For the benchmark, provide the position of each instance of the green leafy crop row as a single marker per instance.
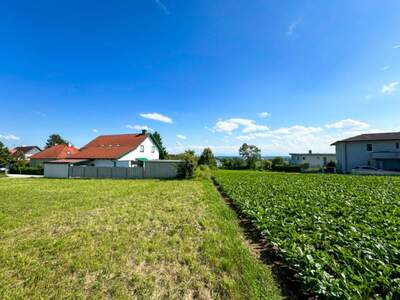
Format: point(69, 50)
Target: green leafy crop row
point(341, 233)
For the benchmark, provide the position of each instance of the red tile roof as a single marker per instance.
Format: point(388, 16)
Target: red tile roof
point(386, 136)
point(56, 152)
point(65, 161)
point(110, 146)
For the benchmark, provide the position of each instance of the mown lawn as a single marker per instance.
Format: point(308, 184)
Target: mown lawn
point(142, 239)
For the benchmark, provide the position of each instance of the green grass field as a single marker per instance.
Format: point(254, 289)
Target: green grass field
point(142, 239)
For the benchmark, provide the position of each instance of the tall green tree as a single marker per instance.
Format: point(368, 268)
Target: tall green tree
point(251, 154)
point(157, 137)
point(207, 158)
point(5, 155)
point(55, 139)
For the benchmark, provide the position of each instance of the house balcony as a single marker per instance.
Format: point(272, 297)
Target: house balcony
point(386, 155)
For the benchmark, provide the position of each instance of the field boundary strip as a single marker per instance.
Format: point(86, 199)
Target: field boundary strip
point(285, 276)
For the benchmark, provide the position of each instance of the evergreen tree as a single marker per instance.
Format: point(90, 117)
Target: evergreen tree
point(55, 139)
point(157, 137)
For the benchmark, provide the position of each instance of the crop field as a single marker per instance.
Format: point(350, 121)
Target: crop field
point(341, 233)
point(123, 239)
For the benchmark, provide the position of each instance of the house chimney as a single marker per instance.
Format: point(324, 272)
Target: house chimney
point(309, 151)
point(144, 131)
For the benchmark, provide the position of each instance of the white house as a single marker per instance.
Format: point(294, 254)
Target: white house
point(314, 160)
point(379, 150)
point(26, 151)
point(120, 150)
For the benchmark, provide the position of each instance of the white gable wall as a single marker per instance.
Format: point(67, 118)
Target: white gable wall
point(147, 143)
point(31, 152)
point(125, 160)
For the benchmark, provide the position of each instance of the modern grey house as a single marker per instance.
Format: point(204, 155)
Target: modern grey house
point(378, 150)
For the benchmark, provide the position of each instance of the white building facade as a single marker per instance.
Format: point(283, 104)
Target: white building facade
point(313, 160)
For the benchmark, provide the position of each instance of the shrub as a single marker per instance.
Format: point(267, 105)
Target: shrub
point(267, 165)
point(187, 168)
point(27, 170)
point(234, 163)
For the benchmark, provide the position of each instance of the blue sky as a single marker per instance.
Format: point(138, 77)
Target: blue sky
point(286, 76)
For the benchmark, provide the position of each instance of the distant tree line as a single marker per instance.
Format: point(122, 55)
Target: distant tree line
point(250, 159)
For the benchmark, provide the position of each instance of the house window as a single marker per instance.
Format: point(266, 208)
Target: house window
point(304, 158)
point(369, 163)
point(153, 149)
point(397, 145)
point(369, 147)
point(141, 148)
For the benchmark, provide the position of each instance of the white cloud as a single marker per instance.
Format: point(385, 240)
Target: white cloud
point(390, 88)
point(139, 127)
point(162, 6)
point(298, 130)
point(396, 46)
point(157, 117)
point(95, 130)
point(41, 114)
point(234, 123)
point(225, 126)
point(217, 149)
point(246, 137)
point(292, 28)
point(264, 115)
point(348, 124)
point(385, 68)
point(9, 137)
point(181, 136)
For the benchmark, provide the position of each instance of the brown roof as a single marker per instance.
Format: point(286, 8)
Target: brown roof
point(110, 146)
point(386, 136)
point(23, 149)
point(56, 152)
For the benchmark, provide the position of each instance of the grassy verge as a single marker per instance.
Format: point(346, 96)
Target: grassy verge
point(123, 239)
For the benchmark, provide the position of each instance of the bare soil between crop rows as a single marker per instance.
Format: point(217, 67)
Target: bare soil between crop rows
point(286, 277)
